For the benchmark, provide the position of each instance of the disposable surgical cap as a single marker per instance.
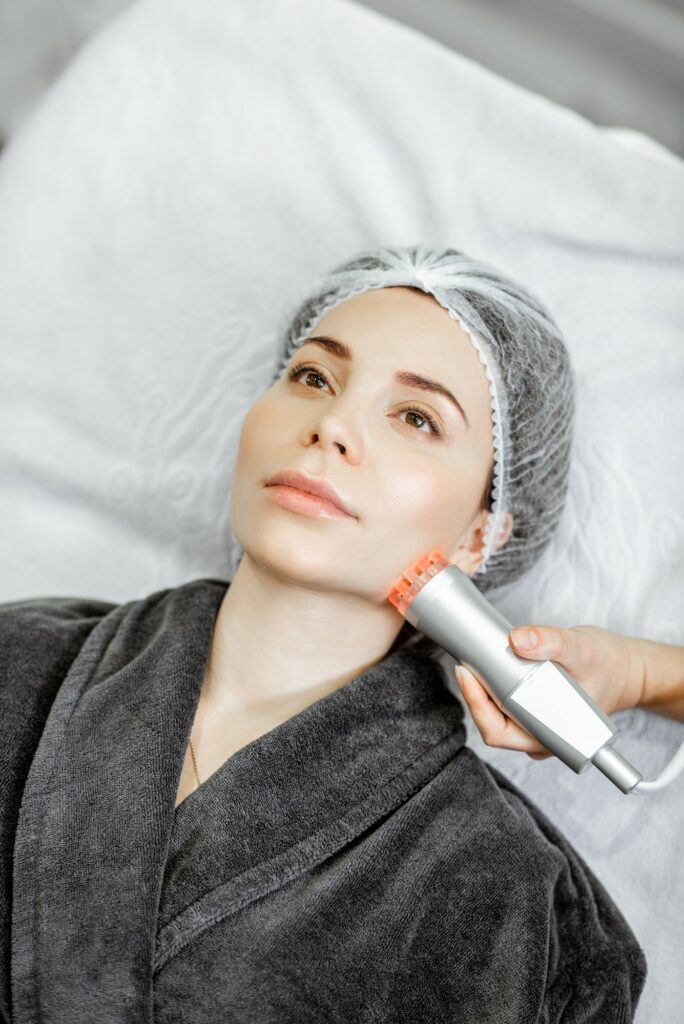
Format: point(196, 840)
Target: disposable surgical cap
point(531, 384)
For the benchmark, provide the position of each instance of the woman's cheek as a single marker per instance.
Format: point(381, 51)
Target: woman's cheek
point(418, 498)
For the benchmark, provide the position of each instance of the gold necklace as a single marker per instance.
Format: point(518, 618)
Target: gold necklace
point(194, 762)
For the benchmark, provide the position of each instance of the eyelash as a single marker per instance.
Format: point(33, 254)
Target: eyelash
point(295, 371)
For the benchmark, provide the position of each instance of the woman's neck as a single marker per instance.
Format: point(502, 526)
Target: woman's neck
point(279, 646)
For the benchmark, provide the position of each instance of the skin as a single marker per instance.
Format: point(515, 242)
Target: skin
point(307, 610)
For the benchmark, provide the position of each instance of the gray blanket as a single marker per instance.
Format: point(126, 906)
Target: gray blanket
point(356, 863)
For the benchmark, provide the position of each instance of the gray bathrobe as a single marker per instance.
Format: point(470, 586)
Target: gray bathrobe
point(357, 863)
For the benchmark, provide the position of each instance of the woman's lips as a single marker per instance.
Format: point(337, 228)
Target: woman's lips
point(305, 503)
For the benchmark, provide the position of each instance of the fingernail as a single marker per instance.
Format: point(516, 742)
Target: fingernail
point(525, 639)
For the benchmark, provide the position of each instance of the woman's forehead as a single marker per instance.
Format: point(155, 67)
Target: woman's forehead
point(396, 320)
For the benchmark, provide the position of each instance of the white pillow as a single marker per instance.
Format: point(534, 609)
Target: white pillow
point(165, 209)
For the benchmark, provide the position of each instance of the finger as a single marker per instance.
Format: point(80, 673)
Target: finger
point(496, 728)
point(568, 647)
point(526, 641)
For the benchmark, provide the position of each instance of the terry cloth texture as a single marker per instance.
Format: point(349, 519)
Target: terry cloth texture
point(357, 862)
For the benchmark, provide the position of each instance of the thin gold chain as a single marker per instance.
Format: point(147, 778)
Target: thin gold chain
point(194, 762)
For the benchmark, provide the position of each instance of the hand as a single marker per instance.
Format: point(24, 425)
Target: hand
point(610, 667)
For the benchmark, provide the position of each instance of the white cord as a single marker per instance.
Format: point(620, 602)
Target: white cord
point(669, 772)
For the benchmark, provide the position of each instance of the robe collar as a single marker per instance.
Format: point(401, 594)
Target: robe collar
point(98, 905)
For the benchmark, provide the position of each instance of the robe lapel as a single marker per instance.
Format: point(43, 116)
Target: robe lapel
point(303, 792)
point(98, 808)
point(103, 897)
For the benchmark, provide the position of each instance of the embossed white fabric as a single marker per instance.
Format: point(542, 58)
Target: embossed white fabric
point(168, 206)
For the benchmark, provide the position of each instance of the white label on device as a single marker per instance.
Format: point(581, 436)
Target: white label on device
point(548, 695)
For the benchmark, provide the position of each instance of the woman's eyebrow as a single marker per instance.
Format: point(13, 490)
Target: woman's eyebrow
point(407, 377)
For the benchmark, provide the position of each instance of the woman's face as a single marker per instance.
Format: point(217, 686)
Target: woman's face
point(412, 487)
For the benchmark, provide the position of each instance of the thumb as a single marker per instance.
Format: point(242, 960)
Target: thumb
point(549, 642)
point(526, 640)
point(541, 641)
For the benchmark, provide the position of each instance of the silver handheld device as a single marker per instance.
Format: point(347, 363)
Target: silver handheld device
point(441, 601)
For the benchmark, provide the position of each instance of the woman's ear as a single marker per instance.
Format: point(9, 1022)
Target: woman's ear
point(505, 530)
point(469, 554)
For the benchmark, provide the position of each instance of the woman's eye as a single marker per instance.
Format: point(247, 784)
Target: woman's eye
point(434, 429)
point(296, 371)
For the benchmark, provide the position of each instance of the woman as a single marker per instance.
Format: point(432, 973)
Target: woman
point(253, 801)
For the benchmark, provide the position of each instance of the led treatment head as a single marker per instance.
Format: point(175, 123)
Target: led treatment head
point(414, 579)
